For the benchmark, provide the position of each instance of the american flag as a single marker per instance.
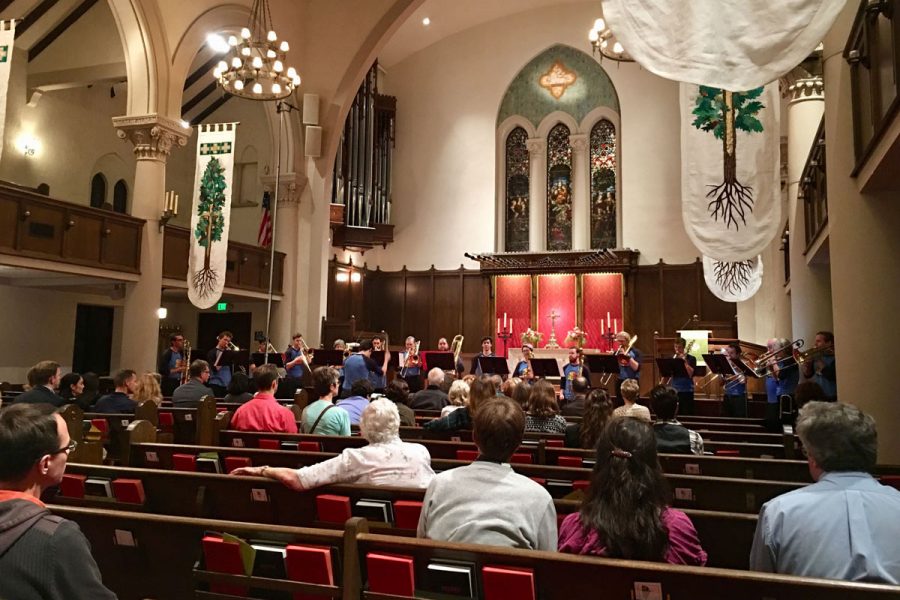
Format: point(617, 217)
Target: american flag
point(265, 223)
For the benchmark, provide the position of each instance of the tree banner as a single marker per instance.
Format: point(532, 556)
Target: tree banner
point(211, 213)
point(733, 281)
point(730, 170)
point(7, 37)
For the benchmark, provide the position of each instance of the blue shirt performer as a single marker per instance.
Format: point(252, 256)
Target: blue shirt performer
point(411, 365)
point(221, 371)
point(735, 400)
point(573, 369)
point(360, 365)
point(684, 385)
point(523, 367)
point(171, 365)
point(294, 357)
point(820, 367)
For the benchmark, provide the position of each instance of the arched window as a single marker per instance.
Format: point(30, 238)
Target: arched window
point(43, 189)
point(517, 186)
point(98, 190)
point(120, 197)
point(559, 189)
point(603, 185)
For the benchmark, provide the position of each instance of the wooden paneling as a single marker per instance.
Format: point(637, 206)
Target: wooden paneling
point(647, 304)
point(81, 238)
point(476, 311)
point(232, 265)
point(9, 214)
point(418, 313)
point(41, 229)
point(680, 296)
point(121, 247)
point(445, 315)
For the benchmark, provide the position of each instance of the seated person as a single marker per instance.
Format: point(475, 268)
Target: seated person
point(630, 390)
point(481, 391)
point(239, 389)
point(458, 396)
point(521, 393)
point(44, 379)
point(487, 502)
point(844, 526)
point(397, 392)
point(626, 512)
point(262, 412)
point(41, 556)
point(322, 417)
point(71, 385)
point(91, 391)
point(671, 436)
point(387, 460)
point(574, 406)
point(191, 393)
point(432, 397)
point(120, 400)
point(598, 410)
point(357, 401)
point(147, 387)
point(543, 410)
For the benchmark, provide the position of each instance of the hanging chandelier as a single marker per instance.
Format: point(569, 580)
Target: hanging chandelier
point(254, 66)
point(604, 41)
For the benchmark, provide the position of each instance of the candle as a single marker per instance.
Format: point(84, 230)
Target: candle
point(607, 319)
point(174, 204)
point(498, 324)
point(510, 325)
point(504, 320)
point(601, 326)
point(616, 325)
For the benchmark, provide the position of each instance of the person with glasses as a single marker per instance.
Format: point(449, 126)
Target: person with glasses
point(171, 365)
point(41, 556)
point(190, 394)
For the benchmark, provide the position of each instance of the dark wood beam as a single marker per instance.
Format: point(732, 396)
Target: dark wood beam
point(32, 17)
point(198, 98)
point(211, 109)
point(4, 4)
point(204, 69)
point(44, 43)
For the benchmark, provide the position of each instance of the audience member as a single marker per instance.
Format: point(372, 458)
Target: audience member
point(498, 383)
point(844, 526)
point(71, 386)
point(41, 556)
point(91, 392)
point(543, 410)
point(148, 387)
point(119, 402)
point(432, 397)
point(238, 389)
point(191, 393)
point(322, 417)
point(574, 407)
point(481, 391)
point(521, 393)
point(397, 391)
point(671, 436)
point(507, 388)
point(262, 412)
point(630, 391)
point(387, 460)
point(487, 502)
point(808, 391)
point(357, 401)
point(598, 409)
point(458, 396)
point(626, 512)
point(44, 379)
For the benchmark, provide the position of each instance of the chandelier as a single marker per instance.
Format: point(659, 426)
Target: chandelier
point(604, 41)
point(254, 64)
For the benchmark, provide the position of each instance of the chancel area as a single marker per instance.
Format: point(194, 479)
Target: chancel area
point(449, 299)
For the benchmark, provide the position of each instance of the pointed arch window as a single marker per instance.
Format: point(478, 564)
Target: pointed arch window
point(120, 196)
point(603, 185)
point(517, 191)
point(98, 190)
point(559, 189)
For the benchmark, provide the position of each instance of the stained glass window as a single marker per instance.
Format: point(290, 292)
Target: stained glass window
point(517, 187)
point(603, 185)
point(559, 189)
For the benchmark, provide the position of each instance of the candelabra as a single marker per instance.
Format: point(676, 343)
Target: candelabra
point(504, 334)
point(609, 337)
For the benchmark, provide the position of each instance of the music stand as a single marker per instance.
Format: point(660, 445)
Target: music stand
point(604, 364)
point(275, 358)
point(438, 360)
point(327, 358)
point(545, 367)
point(671, 367)
point(393, 363)
point(493, 365)
point(235, 359)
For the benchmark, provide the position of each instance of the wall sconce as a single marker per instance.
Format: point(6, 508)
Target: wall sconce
point(162, 312)
point(355, 277)
point(28, 145)
point(170, 209)
point(342, 277)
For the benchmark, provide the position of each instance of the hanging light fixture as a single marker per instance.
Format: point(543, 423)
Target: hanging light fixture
point(604, 41)
point(254, 66)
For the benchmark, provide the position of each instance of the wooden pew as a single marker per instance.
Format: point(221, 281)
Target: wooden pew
point(88, 450)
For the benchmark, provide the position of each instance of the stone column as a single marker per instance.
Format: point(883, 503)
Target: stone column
point(287, 240)
point(581, 191)
point(810, 280)
point(153, 137)
point(537, 192)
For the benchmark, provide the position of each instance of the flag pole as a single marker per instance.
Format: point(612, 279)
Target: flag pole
point(280, 108)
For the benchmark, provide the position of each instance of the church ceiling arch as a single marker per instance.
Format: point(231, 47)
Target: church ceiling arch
point(559, 79)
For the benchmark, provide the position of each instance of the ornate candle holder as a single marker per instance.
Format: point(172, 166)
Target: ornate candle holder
point(552, 343)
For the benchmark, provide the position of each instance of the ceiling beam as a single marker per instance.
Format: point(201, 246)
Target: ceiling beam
point(32, 17)
point(43, 43)
point(4, 4)
point(211, 109)
point(198, 98)
point(204, 69)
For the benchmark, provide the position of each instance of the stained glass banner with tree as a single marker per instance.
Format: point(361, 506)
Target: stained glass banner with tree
point(559, 189)
point(603, 185)
point(211, 213)
point(517, 191)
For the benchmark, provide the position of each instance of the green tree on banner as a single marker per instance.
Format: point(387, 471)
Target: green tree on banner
point(211, 222)
point(723, 112)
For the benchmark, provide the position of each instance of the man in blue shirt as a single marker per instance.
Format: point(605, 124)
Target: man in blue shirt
point(119, 401)
point(359, 365)
point(684, 385)
point(572, 371)
point(410, 366)
point(629, 362)
point(357, 401)
point(844, 526)
point(295, 363)
point(220, 370)
point(171, 365)
point(735, 398)
point(821, 368)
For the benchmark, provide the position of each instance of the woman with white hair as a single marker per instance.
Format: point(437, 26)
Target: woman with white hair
point(458, 396)
point(387, 460)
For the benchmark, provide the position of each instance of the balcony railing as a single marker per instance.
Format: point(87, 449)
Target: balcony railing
point(813, 190)
point(873, 52)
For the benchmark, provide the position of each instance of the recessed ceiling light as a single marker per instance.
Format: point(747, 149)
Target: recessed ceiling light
point(426, 21)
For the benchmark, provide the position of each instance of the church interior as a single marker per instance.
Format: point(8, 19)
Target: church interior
point(517, 170)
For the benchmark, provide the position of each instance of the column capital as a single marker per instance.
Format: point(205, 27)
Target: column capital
point(579, 141)
point(536, 146)
point(292, 185)
point(153, 135)
point(811, 88)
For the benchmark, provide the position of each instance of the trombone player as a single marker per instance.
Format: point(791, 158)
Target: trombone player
point(684, 385)
point(410, 362)
point(444, 346)
point(220, 371)
point(735, 398)
point(629, 360)
point(574, 369)
point(818, 364)
point(523, 367)
point(296, 357)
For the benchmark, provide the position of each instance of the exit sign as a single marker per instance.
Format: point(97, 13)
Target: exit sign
point(222, 306)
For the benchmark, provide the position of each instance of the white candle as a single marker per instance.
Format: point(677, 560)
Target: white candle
point(607, 319)
point(616, 325)
point(174, 204)
point(504, 320)
point(498, 324)
point(510, 325)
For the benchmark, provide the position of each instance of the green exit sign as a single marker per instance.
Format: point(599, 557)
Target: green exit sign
point(222, 306)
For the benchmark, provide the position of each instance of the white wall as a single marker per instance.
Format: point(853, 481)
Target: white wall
point(448, 96)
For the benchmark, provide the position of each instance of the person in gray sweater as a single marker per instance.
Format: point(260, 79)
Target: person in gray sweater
point(191, 393)
point(487, 502)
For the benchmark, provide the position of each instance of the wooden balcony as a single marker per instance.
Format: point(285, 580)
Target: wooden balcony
point(36, 226)
point(814, 189)
point(247, 267)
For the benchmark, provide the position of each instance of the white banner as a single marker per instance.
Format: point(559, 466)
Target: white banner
point(730, 170)
point(733, 281)
point(730, 44)
point(211, 213)
point(7, 38)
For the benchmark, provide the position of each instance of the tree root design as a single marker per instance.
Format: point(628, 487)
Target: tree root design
point(205, 282)
point(731, 200)
point(732, 277)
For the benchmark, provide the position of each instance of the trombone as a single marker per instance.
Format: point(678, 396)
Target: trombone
point(412, 358)
point(456, 349)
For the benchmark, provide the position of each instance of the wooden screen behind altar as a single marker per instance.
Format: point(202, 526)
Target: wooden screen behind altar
point(513, 299)
point(556, 293)
point(601, 295)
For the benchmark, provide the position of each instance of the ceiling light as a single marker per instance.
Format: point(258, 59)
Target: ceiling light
point(162, 312)
point(217, 43)
point(426, 21)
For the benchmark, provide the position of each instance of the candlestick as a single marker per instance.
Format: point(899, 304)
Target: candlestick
point(175, 204)
point(504, 320)
point(498, 325)
point(510, 326)
point(607, 319)
point(616, 325)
